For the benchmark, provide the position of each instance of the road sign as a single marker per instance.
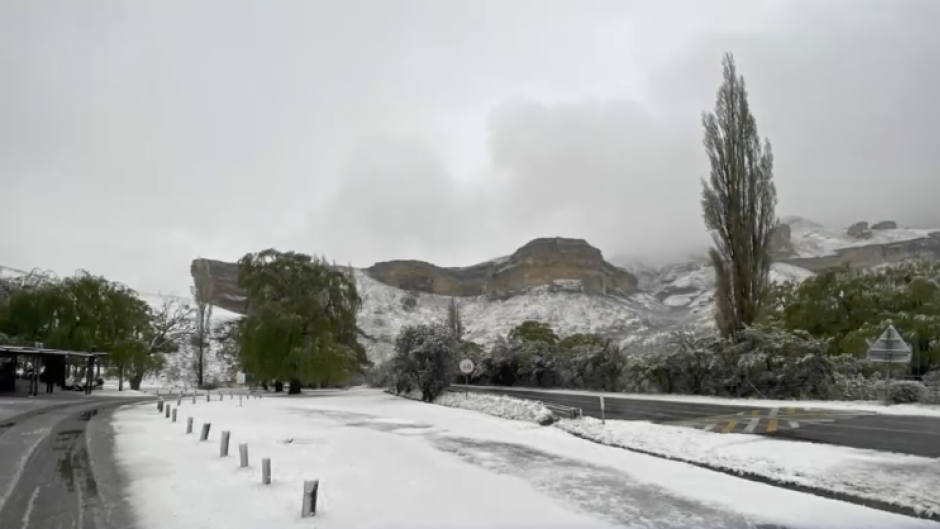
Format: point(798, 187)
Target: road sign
point(890, 348)
point(466, 366)
point(240, 378)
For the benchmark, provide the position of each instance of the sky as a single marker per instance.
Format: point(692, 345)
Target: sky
point(136, 136)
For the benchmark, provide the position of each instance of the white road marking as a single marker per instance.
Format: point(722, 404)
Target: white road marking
point(752, 425)
point(794, 424)
point(29, 507)
point(709, 427)
point(773, 412)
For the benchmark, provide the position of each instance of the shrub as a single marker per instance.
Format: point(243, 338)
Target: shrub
point(424, 360)
point(906, 392)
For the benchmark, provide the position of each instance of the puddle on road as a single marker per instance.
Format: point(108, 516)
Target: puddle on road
point(73, 461)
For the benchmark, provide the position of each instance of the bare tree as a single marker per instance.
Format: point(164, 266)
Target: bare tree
point(171, 326)
point(738, 201)
point(202, 292)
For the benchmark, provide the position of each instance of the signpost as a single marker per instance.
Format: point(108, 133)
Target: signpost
point(603, 419)
point(466, 367)
point(889, 348)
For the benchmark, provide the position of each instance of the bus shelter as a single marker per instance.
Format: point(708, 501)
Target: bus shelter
point(50, 367)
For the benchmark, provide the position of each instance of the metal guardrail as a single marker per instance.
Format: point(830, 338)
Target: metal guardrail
point(566, 412)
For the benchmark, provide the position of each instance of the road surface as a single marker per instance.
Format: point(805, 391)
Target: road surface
point(914, 435)
point(57, 471)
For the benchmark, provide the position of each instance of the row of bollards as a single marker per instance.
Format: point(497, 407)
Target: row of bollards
point(311, 488)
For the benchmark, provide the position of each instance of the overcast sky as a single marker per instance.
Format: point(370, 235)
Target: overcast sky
point(137, 135)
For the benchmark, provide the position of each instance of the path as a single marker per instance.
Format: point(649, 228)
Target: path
point(57, 469)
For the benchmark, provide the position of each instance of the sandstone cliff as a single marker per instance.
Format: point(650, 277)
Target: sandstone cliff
point(569, 263)
point(540, 262)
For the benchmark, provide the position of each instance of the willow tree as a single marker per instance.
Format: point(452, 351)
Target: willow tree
point(300, 322)
point(85, 312)
point(739, 200)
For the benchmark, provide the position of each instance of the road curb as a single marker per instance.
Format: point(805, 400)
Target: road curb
point(750, 476)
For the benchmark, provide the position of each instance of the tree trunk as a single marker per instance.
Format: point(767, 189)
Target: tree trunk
point(136, 380)
point(200, 365)
point(121, 379)
point(278, 386)
point(294, 388)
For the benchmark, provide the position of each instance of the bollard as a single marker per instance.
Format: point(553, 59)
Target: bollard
point(168, 411)
point(239, 401)
point(220, 396)
point(223, 446)
point(231, 395)
point(207, 397)
point(189, 425)
point(160, 405)
point(243, 455)
point(194, 397)
point(310, 498)
point(266, 471)
point(174, 414)
point(205, 431)
point(179, 400)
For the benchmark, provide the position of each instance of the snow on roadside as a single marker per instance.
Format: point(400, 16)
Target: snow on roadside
point(498, 405)
point(907, 481)
point(898, 479)
point(925, 410)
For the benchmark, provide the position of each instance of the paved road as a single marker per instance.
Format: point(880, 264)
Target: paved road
point(913, 435)
point(57, 469)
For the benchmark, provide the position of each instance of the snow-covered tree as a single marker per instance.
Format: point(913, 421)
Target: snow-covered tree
point(424, 359)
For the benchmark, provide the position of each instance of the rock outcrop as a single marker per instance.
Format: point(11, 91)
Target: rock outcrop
point(885, 225)
point(859, 230)
point(541, 262)
point(223, 283)
point(570, 264)
point(781, 243)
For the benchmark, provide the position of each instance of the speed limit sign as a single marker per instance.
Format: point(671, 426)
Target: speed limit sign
point(466, 366)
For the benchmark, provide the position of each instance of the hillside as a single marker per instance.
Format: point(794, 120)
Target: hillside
point(569, 285)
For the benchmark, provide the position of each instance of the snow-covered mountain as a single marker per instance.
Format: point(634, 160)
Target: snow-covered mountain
point(678, 295)
point(666, 298)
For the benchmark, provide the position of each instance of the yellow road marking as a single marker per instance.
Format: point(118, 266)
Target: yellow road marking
point(755, 412)
point(791, 410)
point(772, 426)
point(730, 426)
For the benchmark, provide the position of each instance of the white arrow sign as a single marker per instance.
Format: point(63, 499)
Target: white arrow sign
point(890, 348)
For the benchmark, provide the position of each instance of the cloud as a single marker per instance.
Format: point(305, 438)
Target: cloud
point(136, 136)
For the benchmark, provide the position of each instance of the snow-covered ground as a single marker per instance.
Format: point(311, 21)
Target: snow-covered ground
point(907, 481)
point(387, 462)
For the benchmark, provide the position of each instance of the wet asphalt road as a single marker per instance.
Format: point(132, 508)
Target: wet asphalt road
point(69, 479)
point(912, 435)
